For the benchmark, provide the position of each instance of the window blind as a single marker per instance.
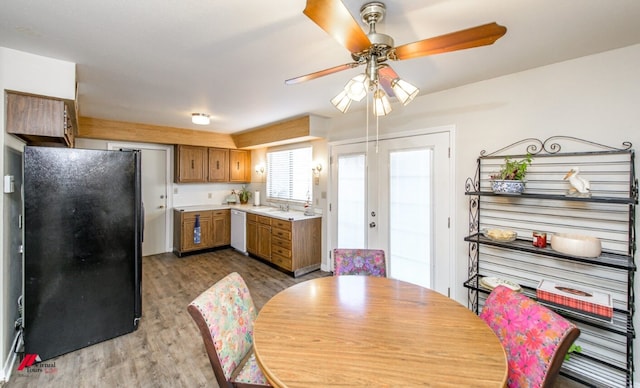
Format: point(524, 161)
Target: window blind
point(289, 174)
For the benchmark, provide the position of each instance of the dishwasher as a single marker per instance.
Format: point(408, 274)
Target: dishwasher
point(239, 231)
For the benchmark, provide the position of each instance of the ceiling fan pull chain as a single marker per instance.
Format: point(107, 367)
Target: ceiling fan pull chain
point(366, 146)
point(377, 131)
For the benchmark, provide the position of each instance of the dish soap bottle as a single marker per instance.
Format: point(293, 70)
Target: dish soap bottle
point(308, 210)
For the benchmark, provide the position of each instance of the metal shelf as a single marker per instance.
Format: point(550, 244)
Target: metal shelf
point(621, 323)
point(606, 259)
point(607, 357)
point(610, 200)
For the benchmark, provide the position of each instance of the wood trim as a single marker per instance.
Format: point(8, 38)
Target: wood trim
point(93, 128)
point(294, 129)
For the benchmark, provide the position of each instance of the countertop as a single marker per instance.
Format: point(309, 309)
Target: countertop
point(270, 211)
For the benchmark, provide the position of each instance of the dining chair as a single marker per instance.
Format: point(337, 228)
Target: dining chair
point(535, 338)
point(225, 314)
point(370, 262)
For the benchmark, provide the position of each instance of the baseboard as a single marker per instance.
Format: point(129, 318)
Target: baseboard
point(11, 359)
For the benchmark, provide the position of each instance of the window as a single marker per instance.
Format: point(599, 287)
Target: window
point(289, 174)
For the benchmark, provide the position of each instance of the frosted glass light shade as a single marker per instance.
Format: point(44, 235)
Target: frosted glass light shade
point(357, 87)
point(381, 104)
point(404, 91)
point(342, 102)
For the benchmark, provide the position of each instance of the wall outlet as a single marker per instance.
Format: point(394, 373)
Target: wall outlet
point(210, 195)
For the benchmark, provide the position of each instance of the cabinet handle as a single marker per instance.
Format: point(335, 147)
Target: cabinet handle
point(238, 165)
point(217, 164)
point(193, 164)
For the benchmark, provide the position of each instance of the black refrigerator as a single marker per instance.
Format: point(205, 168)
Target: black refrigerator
point(83, 221)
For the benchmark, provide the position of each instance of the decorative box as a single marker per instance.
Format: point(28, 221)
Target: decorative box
point(595, 304)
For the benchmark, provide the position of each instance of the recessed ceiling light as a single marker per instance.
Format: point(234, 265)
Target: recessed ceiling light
point(200, 118)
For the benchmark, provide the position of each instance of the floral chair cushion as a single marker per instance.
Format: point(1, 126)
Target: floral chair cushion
point(529, 332)
point(369, 262)
point(251, 373)
point(229, 313)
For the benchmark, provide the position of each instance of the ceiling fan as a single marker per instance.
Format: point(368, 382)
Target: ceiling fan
point(374, 49)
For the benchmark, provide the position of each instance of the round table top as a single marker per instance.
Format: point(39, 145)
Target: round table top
point(369, 331)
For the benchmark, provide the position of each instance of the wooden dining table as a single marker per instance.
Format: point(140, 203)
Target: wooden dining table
point(376, 332)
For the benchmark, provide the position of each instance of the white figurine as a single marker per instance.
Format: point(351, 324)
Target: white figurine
point(580, 187)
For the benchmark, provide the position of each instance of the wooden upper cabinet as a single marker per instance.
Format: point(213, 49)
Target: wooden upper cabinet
point(191, 164)
point(240, 166)
point(195, 164)
point(40, 120)
point(218, 165)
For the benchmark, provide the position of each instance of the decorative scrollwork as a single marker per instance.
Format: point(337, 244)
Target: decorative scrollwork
point(533, 147)
point(471, 185)
point(551, 145)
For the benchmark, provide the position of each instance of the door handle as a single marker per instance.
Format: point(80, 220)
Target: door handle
point(160, 207)
point(372, 224)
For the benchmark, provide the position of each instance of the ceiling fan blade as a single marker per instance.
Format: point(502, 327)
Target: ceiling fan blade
point(482, 35)
point(385, 75)
point(321, 73)
point(333, 17)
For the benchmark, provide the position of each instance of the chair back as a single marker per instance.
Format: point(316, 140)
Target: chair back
point(370, 262)
point(535, 338)
point(225, 314)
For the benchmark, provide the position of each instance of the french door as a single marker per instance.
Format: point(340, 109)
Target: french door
point(396, 198)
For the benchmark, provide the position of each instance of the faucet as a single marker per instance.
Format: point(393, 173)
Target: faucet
point(284, 207)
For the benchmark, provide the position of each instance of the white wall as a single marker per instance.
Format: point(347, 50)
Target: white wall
point(596, 98)
point(34, 74)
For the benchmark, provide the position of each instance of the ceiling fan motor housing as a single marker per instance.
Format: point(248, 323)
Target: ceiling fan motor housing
point(381, 44)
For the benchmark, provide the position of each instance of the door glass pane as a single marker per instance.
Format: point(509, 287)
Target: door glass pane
point(410, 216)
point(351, 201)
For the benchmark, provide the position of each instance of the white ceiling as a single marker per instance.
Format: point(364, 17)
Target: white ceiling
point(157, 61)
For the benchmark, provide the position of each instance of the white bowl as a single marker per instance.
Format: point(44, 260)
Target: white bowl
point(576, 245)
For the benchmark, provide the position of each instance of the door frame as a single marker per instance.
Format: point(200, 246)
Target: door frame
point(451, 130)
point(168, 168)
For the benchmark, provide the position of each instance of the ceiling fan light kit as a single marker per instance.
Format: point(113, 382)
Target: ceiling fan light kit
point(342, 102)
point(357, 87)
point(374, 49)
point(381, 104)
point(404, 91)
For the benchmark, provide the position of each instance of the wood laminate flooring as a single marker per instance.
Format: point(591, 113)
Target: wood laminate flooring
point(166, 350)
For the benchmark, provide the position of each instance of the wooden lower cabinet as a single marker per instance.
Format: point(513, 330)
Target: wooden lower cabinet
point(215, 230)
point(291, 245)
point(259, 236)
point(252, 233)
point(221, 233)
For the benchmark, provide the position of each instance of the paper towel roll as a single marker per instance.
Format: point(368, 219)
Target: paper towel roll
point(256, 198)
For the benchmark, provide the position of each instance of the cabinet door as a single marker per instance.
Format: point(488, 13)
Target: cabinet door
point(206, 230)
point(218, 165)
point(38, 120)
point(239, 166)
point(264, 241)
point(221, 228)
point(252, 237)
point(191, 164)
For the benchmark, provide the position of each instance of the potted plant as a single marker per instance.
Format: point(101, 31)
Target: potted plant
point(510, 179)
point(244, 195)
